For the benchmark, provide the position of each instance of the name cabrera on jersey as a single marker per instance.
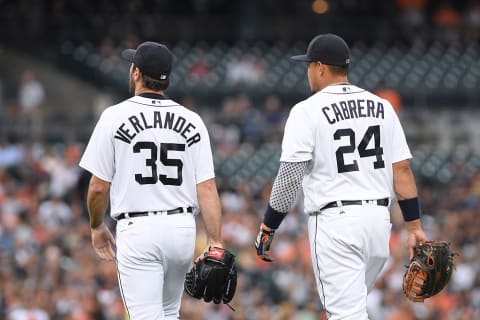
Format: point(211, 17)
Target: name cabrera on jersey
point(352, 137)
point(153, 151)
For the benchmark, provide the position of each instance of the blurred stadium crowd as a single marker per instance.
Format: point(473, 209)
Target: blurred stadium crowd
point(422, 56)
point(49, 271)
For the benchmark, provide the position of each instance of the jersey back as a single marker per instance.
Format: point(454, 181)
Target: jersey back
point(352, 137)
point(153, 152)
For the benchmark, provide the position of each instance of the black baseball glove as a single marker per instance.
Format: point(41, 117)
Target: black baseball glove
point(214, 277)
point(429, 270)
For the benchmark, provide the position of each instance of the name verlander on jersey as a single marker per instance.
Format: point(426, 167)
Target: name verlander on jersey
point(170, 121)
point(351, 109)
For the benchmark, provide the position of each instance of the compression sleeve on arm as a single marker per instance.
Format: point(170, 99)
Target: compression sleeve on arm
point(284, 191)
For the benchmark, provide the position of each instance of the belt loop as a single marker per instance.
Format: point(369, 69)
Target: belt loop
point(339, 203)
point(127, 215)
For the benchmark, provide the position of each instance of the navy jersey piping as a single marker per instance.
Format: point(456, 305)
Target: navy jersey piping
point(152, 105)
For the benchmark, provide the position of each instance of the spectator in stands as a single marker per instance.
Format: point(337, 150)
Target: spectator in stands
point(31, 96)
point(54, 213)
point(10, 152)
point(109, 61)
point(248, 70)
point(447, 21)
point(472, 22)
point(200, 69)
point(107, 48)
point(273, 117)
point(413, 16)
point(62, 169)
point(250, 119)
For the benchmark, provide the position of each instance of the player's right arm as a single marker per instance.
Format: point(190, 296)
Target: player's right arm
point(406, 192)
point(98, 160)
point(97, 203)
point(282, 198)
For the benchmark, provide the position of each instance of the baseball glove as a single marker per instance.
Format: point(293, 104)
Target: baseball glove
point(214, 277)
point(429, 270)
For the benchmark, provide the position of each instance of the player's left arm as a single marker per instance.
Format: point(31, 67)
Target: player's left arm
point(207, 193)
point(97, 203)
point(405, 187)
point(406, 192)
point(211, 212)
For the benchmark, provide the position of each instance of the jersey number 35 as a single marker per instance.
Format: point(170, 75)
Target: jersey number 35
point(164, 159)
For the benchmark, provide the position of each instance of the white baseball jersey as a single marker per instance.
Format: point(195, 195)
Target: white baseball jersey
point(153, 152)
point(352, 137)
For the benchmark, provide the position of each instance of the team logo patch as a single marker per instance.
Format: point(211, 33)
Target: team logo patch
point(216, 253)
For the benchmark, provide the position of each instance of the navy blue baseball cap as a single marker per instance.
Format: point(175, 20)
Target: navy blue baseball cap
point(152, 58)
point(328, 49)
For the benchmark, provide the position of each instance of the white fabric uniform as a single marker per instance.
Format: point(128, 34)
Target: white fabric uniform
point(154, 152)
point(351, 137)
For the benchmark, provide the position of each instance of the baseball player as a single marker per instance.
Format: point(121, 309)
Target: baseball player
point(151, 158)
point(347, 148)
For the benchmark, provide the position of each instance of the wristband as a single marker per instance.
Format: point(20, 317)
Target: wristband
point(273, 218)
point(410, 209)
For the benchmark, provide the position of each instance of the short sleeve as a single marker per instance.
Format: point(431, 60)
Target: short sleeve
point(98, 157)
point(299, 137)
point(204, 169)
point(401, 151)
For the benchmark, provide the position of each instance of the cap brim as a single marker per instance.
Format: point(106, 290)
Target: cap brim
point(128, 54)
point(301, 57)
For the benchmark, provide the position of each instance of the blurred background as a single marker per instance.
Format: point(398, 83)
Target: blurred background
point(60, 68)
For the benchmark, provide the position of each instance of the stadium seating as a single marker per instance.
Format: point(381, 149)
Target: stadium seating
point(416, 70)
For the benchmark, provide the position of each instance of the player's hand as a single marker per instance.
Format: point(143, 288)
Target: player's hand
point(415, 235)
point(207, 249)
point(103, 242)
point(263, 242)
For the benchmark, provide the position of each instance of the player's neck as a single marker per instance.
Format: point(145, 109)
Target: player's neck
point(145, 90)
point(335, 81)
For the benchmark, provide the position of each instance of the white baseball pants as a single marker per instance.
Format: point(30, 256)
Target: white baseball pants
point(349, 247)
point(153, 255)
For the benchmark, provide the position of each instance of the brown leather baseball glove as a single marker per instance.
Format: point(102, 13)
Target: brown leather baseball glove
point(429, 270)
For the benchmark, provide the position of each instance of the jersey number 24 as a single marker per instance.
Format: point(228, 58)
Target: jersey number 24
point(377, 150)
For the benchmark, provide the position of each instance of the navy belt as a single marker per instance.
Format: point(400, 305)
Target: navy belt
point(334, 204)
point(148, 213)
